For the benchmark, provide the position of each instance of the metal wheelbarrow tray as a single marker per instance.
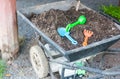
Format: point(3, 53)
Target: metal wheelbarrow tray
point(108, 16)
point(74, 54)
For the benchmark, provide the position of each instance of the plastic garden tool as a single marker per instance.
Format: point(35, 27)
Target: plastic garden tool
point(62, 32)
point(81, 20)
point(79, 71)
point(87, 34)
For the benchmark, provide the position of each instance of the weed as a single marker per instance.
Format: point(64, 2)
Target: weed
point(2, 68)
point(111, 10)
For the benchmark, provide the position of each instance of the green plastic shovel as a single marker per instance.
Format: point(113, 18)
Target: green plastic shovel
point(81, 20)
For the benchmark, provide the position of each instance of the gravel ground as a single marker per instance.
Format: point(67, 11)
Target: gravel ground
point(21, 67)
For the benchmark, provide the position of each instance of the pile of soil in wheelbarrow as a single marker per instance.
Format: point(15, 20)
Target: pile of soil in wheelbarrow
point(49, 21)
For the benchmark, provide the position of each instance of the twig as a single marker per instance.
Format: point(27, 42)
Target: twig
point(78, 5)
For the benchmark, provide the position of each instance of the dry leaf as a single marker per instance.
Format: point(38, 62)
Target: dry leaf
point(7, 75)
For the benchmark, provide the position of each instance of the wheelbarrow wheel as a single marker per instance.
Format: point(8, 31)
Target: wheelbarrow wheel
point(39, 61)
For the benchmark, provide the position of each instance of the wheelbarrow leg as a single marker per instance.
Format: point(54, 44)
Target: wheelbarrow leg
point(51, 73)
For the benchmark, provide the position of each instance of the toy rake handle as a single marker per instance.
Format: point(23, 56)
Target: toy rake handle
point(85, 43)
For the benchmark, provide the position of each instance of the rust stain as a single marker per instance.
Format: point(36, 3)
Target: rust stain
point(8, 29)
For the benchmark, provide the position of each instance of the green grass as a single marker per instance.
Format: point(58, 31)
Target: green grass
point(111, 10)
point(2, 68)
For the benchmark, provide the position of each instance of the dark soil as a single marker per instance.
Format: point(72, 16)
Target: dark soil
point(49, 21)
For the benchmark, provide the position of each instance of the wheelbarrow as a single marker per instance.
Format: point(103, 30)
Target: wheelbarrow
point(43, 54)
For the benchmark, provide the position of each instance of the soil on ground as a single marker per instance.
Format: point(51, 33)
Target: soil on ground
point(49, 21)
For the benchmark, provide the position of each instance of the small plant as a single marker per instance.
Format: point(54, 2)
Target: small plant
point(111, 10)
point(2, 68)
